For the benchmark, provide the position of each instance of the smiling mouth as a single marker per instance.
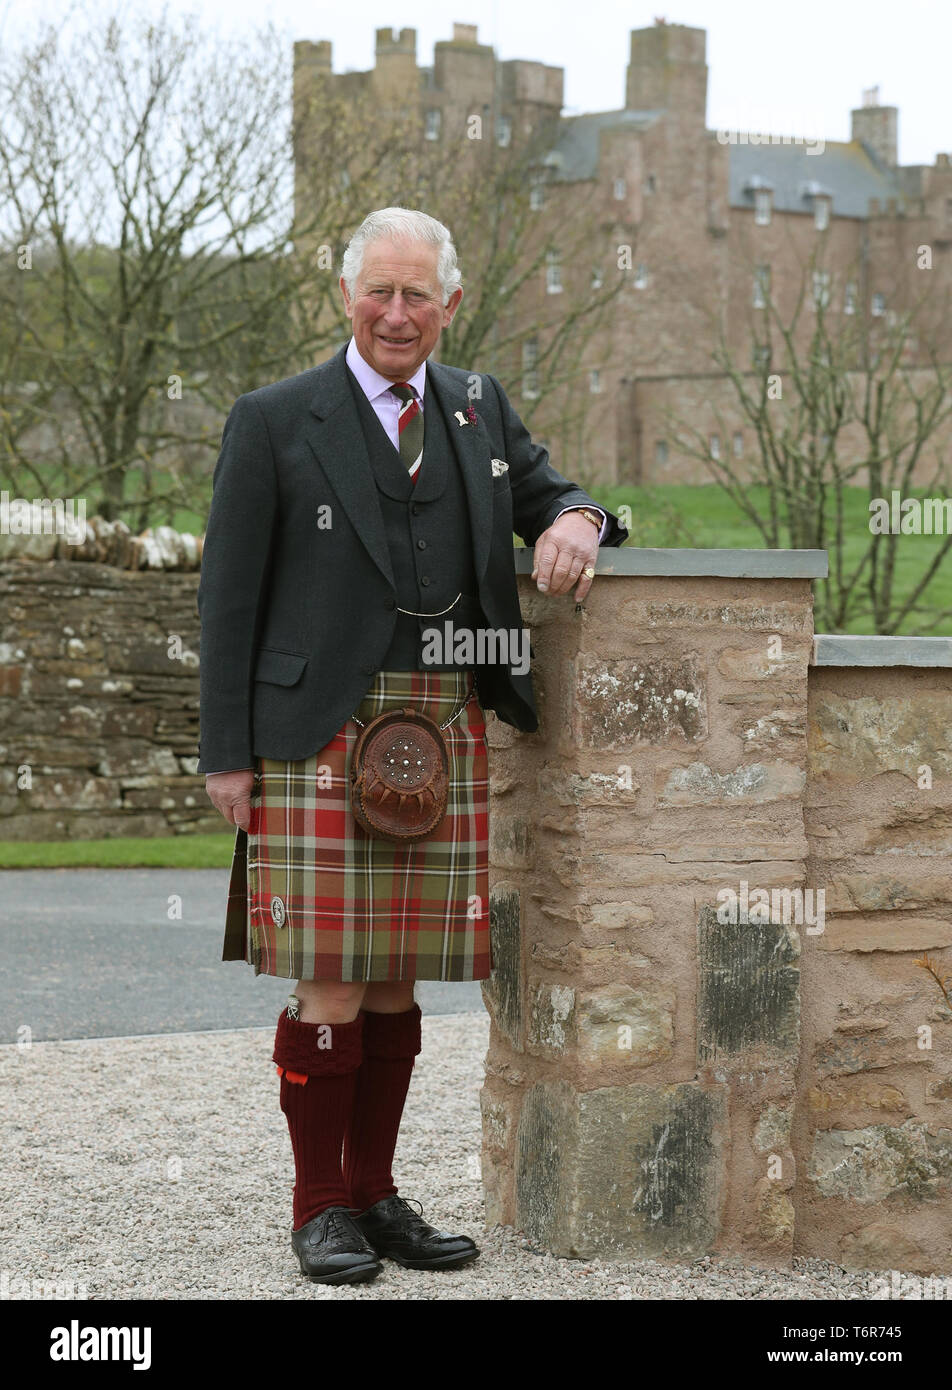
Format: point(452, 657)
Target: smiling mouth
point(395, 342)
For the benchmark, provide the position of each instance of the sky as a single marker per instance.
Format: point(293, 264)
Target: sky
point(790, 69)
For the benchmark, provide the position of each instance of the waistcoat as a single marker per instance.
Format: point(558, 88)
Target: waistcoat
point(428, 534)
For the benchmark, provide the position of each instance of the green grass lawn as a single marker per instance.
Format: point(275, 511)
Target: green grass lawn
point(167, 852)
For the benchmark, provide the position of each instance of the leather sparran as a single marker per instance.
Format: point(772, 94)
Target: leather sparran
point(399, 776)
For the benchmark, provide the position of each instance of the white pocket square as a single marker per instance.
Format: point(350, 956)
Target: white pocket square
point(499, 466)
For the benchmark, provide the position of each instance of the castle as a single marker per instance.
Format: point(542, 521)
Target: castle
point(722, 225)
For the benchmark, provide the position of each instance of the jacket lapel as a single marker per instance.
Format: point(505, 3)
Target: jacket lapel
point(474, 450)
point(337, 439)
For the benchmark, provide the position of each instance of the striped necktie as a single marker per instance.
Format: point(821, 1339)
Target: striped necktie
point(410, 423)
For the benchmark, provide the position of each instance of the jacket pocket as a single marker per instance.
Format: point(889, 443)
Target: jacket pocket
point(279, 668)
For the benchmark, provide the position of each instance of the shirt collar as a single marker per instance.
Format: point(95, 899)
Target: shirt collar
point(371, 382)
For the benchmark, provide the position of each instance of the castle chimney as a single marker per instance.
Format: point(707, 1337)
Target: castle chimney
point(876, 127)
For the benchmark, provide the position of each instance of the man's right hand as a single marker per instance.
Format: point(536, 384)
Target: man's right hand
point(230, 793)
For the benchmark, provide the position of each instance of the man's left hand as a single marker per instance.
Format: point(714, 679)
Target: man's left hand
point(563, 552)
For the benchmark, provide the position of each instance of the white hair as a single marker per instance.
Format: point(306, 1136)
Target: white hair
point(403, 224)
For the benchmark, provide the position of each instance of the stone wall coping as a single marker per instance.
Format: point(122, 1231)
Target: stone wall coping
point(727, 564)
point(836, 649)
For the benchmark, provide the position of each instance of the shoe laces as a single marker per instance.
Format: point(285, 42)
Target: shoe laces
point(338, 1223)
point(408, 1217)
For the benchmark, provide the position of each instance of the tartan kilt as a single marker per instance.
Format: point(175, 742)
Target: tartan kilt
point(313, 896)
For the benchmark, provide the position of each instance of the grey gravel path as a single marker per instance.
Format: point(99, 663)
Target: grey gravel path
point(160, 1168)
point(94, 953)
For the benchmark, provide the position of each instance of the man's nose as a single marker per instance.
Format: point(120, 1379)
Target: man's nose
point(397, 308)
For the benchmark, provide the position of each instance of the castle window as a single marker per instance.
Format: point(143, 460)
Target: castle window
point(762, 206)
point(503, 131)
point(661, 451)
point(761, 356)
point(641, 276)
point(620, 189)
point(553, 272)
point(536, 191)
point(594, 381)
point(821, 214)
point(879, 305)
point(432, 123)
point(738, 445)
point(597, 280)
point(715, 446)
point(761, 286)
point(530, 372)
point(651, 184)
point(849, 298)
point(821, 289)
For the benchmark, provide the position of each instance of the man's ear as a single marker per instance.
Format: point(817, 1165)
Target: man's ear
point(451, 305)
point(348, 305)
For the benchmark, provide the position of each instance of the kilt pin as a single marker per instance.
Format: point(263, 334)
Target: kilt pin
point(424, 503)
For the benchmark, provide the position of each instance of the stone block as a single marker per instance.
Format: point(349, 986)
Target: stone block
point(900, 933)
point(511, 843)
point(634, 1025)
point(621, 1172)
point(502, 990)
point(550, 1018)
point(882, 1161)
point(864, 737)
point(615, 704)
point(754, 664)
point(879, 1246)
point(700, 785)
point(748, 989)
point(842, 1056)
point(878, 892)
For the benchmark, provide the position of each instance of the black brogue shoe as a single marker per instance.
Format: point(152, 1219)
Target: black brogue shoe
point(398, 1232)
point(331, 1249)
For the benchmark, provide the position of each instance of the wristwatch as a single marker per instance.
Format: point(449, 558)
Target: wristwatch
point(591, 516)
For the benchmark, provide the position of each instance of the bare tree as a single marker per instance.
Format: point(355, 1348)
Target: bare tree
point(836, 401)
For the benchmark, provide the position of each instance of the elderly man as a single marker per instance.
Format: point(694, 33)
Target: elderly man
point(357, 509)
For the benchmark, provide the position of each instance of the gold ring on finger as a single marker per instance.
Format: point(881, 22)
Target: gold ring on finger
point(589, 571)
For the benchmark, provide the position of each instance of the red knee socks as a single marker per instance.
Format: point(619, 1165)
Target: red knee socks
point(318, 1065)
point(390, 1043)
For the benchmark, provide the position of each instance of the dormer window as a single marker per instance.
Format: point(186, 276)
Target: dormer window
point(432, 122)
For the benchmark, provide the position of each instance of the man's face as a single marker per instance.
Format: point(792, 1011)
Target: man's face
point(397, 309)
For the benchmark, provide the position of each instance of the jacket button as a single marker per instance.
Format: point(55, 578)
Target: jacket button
point(421, 545)
point(424, 581)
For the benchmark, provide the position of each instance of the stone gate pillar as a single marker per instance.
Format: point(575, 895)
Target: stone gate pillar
point(640, 1073)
